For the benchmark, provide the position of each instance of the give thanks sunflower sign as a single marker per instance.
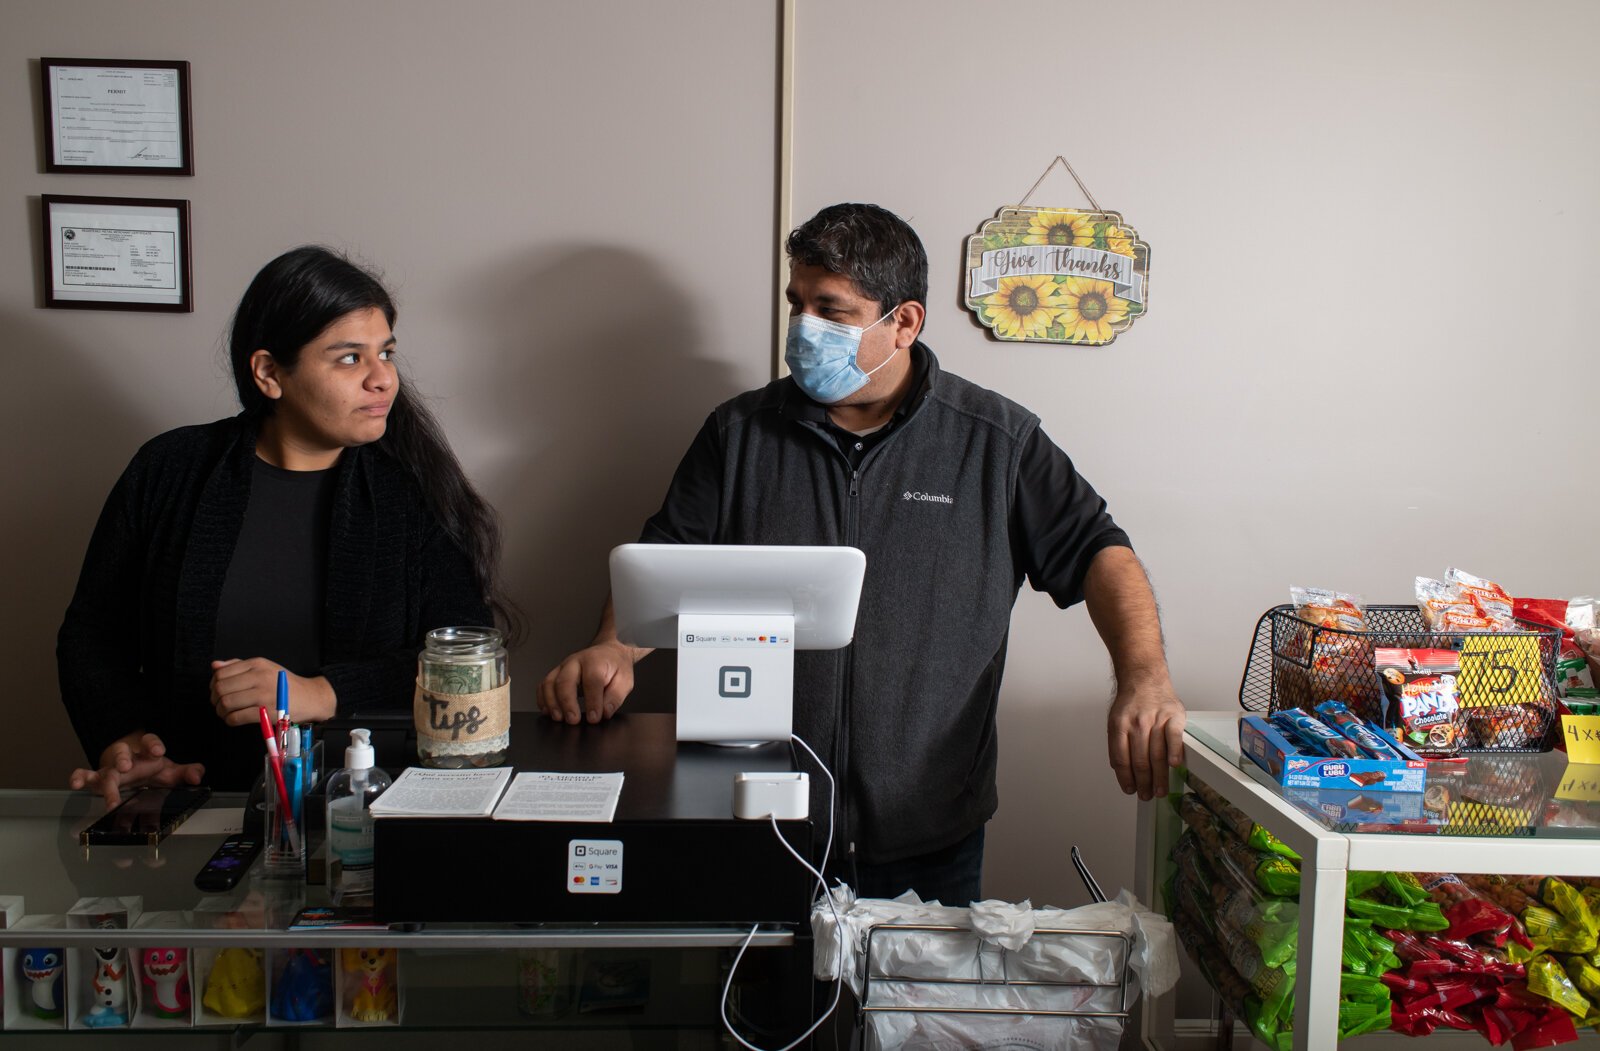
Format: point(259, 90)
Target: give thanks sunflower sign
point(1057, 276)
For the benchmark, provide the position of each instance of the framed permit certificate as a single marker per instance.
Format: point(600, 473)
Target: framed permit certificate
point(118, 117)
point(116, 253)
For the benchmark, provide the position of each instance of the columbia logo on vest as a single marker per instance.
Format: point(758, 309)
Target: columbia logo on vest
point(928, 498)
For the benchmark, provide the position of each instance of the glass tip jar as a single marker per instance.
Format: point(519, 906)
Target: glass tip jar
point(463, 699)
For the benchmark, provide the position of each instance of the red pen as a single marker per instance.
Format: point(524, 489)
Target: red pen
point(271, 738)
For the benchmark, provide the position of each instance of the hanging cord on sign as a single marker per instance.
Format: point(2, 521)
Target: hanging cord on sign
point(822, 888)
point(1048, 168)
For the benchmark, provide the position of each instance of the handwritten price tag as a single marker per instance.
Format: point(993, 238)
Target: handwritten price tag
point(1500, 669)
point(1582, 734)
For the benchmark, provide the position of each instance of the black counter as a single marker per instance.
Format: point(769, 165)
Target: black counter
point(686, 858)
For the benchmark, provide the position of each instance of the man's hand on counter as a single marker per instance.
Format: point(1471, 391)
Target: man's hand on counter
point(1145, 736)
point(604, 673)
point(131, 762)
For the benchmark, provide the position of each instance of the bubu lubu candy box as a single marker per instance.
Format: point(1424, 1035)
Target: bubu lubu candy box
point(1293, 768)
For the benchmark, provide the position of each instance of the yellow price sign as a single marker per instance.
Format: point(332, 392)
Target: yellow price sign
point(1582, 734)
point(1500, 669)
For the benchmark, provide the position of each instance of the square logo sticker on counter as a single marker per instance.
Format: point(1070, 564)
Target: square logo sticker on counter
point(594, 866)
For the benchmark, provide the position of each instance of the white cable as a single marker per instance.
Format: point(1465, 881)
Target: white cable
point(838, 924)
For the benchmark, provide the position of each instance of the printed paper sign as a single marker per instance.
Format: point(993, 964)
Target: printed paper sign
point(1055, 275)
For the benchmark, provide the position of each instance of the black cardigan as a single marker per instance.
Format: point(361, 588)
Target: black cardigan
point(135, 648)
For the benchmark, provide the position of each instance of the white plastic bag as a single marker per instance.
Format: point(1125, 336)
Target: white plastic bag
point(999, 943)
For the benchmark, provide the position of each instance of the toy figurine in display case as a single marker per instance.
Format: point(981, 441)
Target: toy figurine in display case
point(235, 986)
point(110, 982)
point(42, 971)
point(303, 990)
point(374, 984)
point(166, 974)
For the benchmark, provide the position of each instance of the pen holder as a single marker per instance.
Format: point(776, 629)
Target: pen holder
point(283, 854)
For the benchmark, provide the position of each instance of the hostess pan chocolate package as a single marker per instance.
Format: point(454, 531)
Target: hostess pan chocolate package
point(1421, 705)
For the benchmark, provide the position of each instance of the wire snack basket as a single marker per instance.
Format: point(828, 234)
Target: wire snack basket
point(1506, 684)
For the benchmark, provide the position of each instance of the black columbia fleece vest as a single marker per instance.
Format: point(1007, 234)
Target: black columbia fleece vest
point(905, 715)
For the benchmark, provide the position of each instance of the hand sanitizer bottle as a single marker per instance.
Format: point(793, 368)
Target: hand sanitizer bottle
point(350, 792)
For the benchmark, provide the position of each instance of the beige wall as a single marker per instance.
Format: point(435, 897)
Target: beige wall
point(1372, 229)
point(572, 202)
point(1367, 354)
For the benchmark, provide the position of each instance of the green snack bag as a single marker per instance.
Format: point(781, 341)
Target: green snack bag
point(1269, 1029)
point(1363, 987)
point(1277, 876)
point(1405, 888)
point(1382, 950)
point(1358, 955)
point(1363, 1017)
point(1271, 924)
point(1359, 883)
point(1424, 917)
point(1261, 839)
point(1239, 823)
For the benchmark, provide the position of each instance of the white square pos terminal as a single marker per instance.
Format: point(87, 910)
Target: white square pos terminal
point(736, 614)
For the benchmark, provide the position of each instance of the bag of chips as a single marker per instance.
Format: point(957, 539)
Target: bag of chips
point(1469, 912)
point(1239, 822)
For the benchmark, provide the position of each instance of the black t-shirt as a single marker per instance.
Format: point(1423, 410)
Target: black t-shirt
point(273, 597)
point(272, 602)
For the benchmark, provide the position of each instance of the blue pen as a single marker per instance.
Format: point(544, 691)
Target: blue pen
point(308, 775)
point(283, 711)
point(294, 774)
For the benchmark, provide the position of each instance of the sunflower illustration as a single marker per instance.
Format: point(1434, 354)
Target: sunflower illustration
point(1088, 309)
point(1114, 238)
point(1023, 307)
point(1058, 228)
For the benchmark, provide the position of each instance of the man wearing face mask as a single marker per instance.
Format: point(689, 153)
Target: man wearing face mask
point(956, 496)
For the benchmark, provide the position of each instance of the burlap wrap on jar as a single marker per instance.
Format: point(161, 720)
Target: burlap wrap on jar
point(463, 725)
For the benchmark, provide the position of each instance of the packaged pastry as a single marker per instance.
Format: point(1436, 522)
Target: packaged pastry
point(1422, 707)
point(1490, 598)
point(1326, 654)
point(1444, 608)
point(1508, 726)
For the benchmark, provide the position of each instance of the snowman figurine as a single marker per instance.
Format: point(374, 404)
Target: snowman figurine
point(109, 984)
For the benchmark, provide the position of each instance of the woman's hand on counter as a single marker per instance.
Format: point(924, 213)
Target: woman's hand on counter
point(134, 761)
point(240, 687)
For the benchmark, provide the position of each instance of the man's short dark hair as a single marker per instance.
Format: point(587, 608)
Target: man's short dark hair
point(871, 246)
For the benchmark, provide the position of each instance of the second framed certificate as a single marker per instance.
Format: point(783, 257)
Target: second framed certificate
point(116, 253)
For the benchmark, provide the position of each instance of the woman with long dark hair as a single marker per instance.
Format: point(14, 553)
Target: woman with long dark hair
point(324, 530)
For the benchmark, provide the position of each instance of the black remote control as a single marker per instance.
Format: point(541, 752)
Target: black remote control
point(228, 863)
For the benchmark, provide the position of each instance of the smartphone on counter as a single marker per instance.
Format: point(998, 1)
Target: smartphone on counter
point(146, 817)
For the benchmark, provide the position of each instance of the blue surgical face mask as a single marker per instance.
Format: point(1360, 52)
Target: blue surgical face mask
point(821, 356)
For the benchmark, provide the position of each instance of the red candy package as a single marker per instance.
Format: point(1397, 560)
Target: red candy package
point(1470, 913)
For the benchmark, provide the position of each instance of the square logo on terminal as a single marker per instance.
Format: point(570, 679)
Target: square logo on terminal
point(733, 681)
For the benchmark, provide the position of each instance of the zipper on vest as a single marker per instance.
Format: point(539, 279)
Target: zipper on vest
point(841, 735)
